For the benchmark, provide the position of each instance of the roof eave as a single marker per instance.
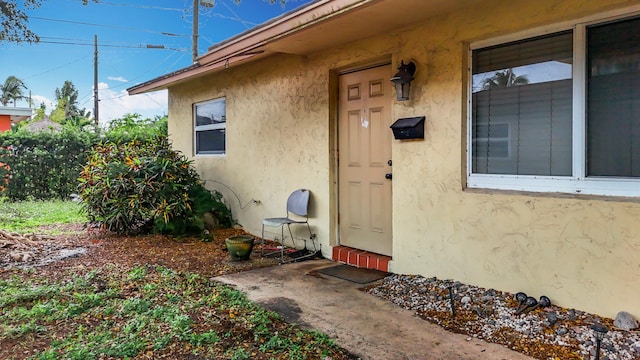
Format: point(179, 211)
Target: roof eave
point(16, 114)
point(161, 82)
point(247, 46)
point(279, 28)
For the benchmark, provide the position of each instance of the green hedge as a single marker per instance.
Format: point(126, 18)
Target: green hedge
point(46, 165)
point(42, 165)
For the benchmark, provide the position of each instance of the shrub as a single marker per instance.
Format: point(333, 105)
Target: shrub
point(45, 165)
point(132, 127)
point(137, 187)
point(42, 165)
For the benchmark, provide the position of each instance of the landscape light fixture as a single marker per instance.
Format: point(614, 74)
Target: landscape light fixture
point(529, 302)
point(402, 80)
point(451, 301)
point(599, 331)
point(521, 298)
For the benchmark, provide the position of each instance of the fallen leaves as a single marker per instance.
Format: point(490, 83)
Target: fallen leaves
point(219, 327)
point(20, 247)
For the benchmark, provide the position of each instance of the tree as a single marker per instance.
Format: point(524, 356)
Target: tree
point(13, 20)
point(40, 113)
point(67, 98)
point(132, 127)
point(78, 122)
point(11, 90)
point(504, 78)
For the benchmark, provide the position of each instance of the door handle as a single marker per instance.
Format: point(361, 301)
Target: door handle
point(388, 176)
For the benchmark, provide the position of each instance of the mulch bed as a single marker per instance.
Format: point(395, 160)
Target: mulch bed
point(181, 254)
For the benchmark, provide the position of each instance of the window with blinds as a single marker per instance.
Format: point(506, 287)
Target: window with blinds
point(540, 122)
point(527, 86)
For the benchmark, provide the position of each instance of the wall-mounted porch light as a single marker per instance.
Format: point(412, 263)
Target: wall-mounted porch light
point(402, 80)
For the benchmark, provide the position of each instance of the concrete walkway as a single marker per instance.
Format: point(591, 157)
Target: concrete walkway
point(365, 325)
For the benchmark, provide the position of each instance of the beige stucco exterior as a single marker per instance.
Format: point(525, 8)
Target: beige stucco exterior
point(582, 252)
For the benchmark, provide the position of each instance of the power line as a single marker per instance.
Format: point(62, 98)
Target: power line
point(247, 24)
point(144, 73)
point(152, 99)
point(237, 17)
point(210, 13)
point(57, 67)
point(113, 46)
point(131, 5)
point(85, 40)
point(108, 26)
point(141, 6)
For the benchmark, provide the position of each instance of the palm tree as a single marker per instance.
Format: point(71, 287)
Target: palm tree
point(68, 97)
point(11, 90)
point(504, 78)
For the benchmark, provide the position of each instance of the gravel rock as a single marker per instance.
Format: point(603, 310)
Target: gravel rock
point(625, 321)
point(487, 298)
point(550, 333)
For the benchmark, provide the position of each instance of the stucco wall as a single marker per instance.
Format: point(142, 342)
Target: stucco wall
point(581, 252)
point(277, 138)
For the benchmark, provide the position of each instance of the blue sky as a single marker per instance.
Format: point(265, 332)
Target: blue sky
point(124, 29)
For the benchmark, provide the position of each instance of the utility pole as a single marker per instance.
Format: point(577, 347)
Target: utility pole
point(95, 82)
point(194, 39)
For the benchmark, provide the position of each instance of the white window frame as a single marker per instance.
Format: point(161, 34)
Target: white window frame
point(196, 128)
point(578, 182)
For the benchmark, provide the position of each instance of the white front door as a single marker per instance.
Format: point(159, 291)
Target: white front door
point(364, 142)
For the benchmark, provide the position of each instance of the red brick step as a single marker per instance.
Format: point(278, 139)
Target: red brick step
point(361, 258)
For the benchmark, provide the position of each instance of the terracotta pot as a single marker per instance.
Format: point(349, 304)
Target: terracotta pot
point(240, 247)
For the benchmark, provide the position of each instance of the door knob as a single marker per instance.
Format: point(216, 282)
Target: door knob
point(388, 176)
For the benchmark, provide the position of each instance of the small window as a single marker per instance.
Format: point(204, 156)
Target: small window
point(210, 125)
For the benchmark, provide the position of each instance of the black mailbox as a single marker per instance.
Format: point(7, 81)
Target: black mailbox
point(408, 128)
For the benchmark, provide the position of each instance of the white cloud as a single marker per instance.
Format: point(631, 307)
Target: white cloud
point(118, 78)
point(36, 100)
point(116, 103)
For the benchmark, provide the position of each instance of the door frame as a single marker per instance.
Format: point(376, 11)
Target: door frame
point(334, 83)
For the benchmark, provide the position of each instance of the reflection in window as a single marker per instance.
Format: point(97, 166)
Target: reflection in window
point(492, 141)
point(533, 128)
point(521, 114)
point(210, 126)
